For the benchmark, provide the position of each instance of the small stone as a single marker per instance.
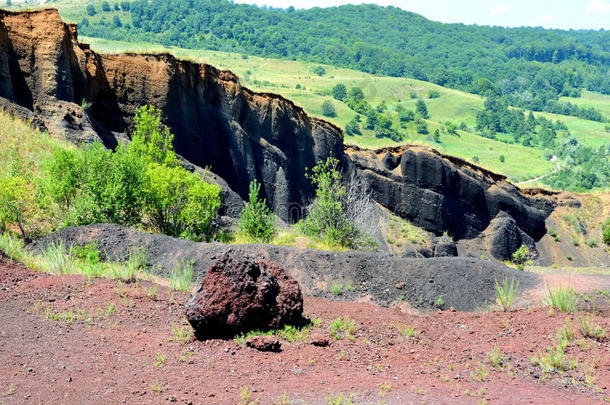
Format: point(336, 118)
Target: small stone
point(319, 340)
point(264, 343)
point(69, 379)
point(452, 309)
point(400, 285)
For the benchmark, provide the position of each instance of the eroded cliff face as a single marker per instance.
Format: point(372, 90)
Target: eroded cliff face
point(48, 77)
point(239, 134)
point(441, 193)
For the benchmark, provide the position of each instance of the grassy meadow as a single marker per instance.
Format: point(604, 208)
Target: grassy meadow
point(282, 77)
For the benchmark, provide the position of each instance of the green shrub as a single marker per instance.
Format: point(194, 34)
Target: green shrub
point(521, 256)
point(327, 218)
point(17, 203)
point(256, 220)
point(151, 139)
point(180, 203)
point(95, 185)
point(328, 109)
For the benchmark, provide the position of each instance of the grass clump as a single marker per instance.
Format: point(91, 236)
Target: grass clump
point(407, 331)
point(507, 293)
point(495, 358)
point(563, 299)
point(56, 258)
point(590, 330)
point(182, 334)
point(343, 328)
point(182, 277)
point(341, 399)
point(520, 257)
point(290, 333)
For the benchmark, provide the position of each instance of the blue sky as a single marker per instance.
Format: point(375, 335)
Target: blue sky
point(577, 14)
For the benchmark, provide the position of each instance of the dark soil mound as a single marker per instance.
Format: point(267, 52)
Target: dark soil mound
point(239, 294)
point(462, 282)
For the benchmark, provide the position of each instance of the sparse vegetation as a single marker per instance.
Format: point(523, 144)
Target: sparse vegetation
point(328, 217)
point(181, 278)
point(590, 330)
point(563, 299)
point(506, 293)
point(343, 328)
point(495, 358)
point(182, 334)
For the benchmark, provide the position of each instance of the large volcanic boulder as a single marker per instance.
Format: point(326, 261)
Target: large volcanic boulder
point(239, 294)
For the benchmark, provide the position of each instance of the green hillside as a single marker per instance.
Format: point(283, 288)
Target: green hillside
point(528, 67)
point(281, 76)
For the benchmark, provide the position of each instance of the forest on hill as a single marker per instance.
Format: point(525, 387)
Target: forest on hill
point(527, 67)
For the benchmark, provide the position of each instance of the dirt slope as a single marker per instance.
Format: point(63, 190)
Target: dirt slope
point(464, 283)
point(117, 348)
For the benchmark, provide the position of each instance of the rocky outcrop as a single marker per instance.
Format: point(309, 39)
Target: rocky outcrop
point(240, 294)
point(443, 194)
point(48, 77)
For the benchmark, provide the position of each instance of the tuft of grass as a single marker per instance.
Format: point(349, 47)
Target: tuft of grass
point(160, 360)
point(341, 399)
point(156, 387)
point(152, 293)
point(181, 278)
point(566, 333)
point(439, 303)
point(506, 292)
point(182, 334)
point(57, 258)
point(343, 328)
point(336, 289)
point(563, 299)
point(495, 358)
point(590, 330)
point(290, 333)
point(407, 331)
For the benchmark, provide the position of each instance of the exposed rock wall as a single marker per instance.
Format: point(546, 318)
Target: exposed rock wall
point(442, 194)
point(239, 134)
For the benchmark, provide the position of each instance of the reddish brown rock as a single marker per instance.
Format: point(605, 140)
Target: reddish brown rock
point(239, 294)
point(319, 340)
point(264, 343)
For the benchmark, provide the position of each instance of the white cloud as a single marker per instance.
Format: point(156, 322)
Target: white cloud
point(598, 6)
point(547, 18)
point(499, 9)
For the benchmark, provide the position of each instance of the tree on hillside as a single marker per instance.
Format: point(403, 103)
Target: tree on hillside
point(105, 6)
point(319, 70)
point(328, 218)
point(17, 201)
point(91, 10)
point(353, 127)
point(437, 136)
point(356, 93)
point(339, 92)
point(116, 22)
point(421, 109)
point(152, 139)
point(406, 116)
point(328, 109)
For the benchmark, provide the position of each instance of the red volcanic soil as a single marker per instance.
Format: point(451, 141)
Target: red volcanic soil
point(67, 340)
